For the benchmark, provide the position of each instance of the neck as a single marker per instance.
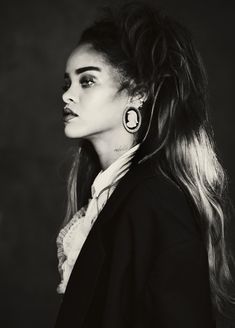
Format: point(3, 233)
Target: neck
point(110, 149)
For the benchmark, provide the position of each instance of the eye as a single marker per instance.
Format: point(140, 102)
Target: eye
point(87, 82)
point(66, 85)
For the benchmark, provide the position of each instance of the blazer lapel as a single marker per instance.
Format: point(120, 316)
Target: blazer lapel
point(132, 178)
point(84, 277)
point(82, 282)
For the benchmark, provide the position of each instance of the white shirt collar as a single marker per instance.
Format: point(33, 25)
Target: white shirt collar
point(114, 172)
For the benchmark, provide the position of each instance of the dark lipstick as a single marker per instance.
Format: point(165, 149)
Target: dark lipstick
point(68, 114)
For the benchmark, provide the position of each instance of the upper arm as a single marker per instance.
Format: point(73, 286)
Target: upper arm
point(177, 292)
point(170, 253)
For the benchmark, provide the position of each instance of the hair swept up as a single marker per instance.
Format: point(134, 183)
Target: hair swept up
point(156, 55)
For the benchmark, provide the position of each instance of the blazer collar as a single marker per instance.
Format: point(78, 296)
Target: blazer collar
point(113, 173)
point(132, 178)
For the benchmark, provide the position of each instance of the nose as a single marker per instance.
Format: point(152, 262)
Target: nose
point(69, 97)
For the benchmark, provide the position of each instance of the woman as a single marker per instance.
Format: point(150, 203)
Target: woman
point(143, 241)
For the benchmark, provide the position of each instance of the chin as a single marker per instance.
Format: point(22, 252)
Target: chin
point(71, 133)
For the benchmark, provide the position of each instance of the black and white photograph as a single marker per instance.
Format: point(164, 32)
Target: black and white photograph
point(117, 164)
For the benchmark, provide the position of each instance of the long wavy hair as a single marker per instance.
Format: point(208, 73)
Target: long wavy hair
point(156, 56)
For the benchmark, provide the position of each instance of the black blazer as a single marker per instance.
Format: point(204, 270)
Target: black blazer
point(143, 263)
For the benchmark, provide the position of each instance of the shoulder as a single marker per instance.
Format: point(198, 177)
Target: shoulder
point(159, 191)
point(160, 184)
point(158, 204)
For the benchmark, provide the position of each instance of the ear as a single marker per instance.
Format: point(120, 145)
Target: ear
point(138, 99)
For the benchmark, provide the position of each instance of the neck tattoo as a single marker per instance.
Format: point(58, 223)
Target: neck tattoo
point(121, 148)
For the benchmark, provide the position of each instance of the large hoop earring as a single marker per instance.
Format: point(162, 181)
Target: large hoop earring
point(131, 119)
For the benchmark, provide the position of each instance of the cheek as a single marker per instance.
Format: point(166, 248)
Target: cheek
point(101, 97)
point(104, 103)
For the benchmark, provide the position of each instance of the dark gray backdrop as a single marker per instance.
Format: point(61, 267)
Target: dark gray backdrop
point(37, 37)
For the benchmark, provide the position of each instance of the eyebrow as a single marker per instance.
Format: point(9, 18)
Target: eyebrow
point(84, 69)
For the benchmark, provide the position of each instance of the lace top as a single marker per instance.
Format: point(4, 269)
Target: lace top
point(72, 237)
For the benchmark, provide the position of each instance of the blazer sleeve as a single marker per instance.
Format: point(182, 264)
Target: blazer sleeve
point(177, 288)
point(177, 292)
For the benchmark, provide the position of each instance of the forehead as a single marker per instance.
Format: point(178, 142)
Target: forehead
point(84, 56)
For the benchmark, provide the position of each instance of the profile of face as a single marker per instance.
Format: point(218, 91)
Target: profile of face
point(132, 119)
point(94, 108)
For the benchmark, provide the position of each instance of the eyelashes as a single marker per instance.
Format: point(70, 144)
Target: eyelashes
point(65, 87)
point(86, 82)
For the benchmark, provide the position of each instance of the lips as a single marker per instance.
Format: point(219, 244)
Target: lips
point(68, 114)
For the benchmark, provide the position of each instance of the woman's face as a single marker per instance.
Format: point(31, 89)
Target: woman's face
point(93, 105)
